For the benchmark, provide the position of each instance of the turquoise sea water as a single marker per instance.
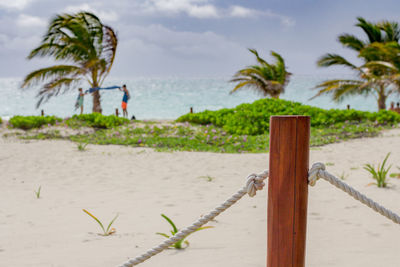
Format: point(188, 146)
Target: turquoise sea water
point(166, 98)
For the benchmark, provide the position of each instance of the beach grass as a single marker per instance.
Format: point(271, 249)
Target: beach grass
point(106, 231)
point(180, 244)
point(379, 174)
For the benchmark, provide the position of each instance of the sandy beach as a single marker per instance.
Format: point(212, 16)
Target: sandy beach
point(140, 184)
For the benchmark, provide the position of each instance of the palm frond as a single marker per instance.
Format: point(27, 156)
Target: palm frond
point(351, 41)
point(40, 75)
point(333, 60)
point(371, 30)
point(265, 78)
point(259, 59)
point(338, 88)
point(54, 87)
point(391, 29)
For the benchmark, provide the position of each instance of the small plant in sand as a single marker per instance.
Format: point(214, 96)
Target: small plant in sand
point(343, 176)
point(396, 174)
point(37, 193)
point(208, 178)
point(106, 231)
point(82, 146)
point(380, 173)
point(175, 230)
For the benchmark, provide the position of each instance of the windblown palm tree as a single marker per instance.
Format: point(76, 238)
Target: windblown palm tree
point(265, 78)
point(86, 48)
point(373, 78)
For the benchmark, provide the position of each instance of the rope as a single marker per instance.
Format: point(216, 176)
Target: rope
point(254, 182)
point(318, 171)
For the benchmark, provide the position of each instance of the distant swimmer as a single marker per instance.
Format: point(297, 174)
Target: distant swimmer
point(125, 99)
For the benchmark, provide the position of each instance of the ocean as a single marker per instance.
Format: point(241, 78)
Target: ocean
point(167, 98)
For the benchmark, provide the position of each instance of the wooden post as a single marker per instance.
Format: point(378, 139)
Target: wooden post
point(288, 191)
point(42, 112)
point(191, 109)
point(348, 107)
point(116, 112)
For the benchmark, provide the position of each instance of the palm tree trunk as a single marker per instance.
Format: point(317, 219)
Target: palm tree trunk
point(96, 102)
point(382, 98)
point(96, 94)
point(275, 96)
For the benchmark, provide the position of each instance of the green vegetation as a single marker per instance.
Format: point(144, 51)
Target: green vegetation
point(380, 173)
point(82, 146)
point(253, 119)
point(268, 79)
point(174, 231)
point(86, 49)
point(37, 193)
point(106, 231)
point(95, 120)
point(1, 120)
point(241, 129)
point(31, 122)
point(214, 139)
point(380, 69)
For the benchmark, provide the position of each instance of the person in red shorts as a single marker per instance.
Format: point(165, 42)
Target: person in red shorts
point(125, 99)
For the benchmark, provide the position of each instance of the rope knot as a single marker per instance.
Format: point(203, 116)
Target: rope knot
point(255, 182)
point(314, 173)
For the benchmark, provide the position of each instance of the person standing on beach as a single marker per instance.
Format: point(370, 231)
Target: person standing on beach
point(79, 101)
point(125, 99)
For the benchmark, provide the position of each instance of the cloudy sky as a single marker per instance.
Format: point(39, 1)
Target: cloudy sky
point(196, 38)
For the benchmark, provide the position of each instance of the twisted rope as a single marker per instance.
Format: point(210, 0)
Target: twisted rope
point(254, 182)
point(318, 171)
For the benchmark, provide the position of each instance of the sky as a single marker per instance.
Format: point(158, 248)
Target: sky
point(196, 38)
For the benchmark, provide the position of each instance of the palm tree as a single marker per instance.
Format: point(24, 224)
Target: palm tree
point(372, 77)
point(86, 48)
point(265, 78)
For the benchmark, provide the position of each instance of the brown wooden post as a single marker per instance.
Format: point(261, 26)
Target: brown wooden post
point(288, 191)
point(42, 112)
point(348, 106)
point(191, 109)
point(116, 112)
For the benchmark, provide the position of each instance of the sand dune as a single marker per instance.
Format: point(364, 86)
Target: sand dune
point(140, 184)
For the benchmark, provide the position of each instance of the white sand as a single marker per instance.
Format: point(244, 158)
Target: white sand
point(139, 184)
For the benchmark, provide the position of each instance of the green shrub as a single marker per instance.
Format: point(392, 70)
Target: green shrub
point(96, 120)
point(31, 122)
point(253, 119)
point(1, 121)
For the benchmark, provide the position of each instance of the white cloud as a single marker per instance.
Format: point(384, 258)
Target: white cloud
point(158, 50)
point(15, 4)
point(192, 8)
point(242, 12)
point(30, 21)
point(204, 10)
point(19, 43)
point(182, 43)
point(285, 20)
point(103, 15)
